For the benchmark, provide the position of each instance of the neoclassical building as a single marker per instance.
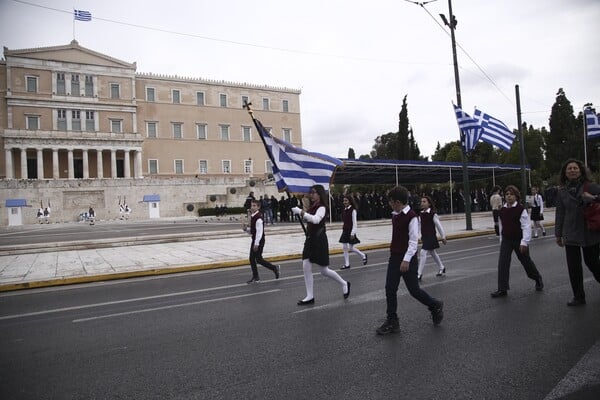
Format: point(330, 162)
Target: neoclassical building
point(79, 129)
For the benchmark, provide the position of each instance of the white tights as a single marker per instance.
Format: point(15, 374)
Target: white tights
point(325, 271)
point(423, 258)
point(350, 247)
point(537, 225)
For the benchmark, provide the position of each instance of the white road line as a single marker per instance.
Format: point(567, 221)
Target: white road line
point(171, 306)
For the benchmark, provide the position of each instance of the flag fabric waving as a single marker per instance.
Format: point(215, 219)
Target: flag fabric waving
point(469, 127)
point(494, 131)
point(295, 170)
point(82, 15)
point(592, 123)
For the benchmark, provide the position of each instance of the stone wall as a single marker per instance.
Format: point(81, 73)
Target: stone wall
point(69, 198)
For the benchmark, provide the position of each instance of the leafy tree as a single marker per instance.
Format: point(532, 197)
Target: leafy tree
point(455, 153)
point(441, 153)
point(563, 142)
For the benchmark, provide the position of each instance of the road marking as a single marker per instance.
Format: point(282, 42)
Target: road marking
point(108, 303)
point(171, 306)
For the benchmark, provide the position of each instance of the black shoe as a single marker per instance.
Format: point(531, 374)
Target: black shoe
point(389, 326)
point(539, 284)
point(499, 293)
point(366, 259)
point(437, 314)
point(544, 233)
point(348, 292)
point(441, 271)
point(277, 271)
point(576, 302)
point(345, 267)
point(254, 280)
point(419, 277)
point(306, 302)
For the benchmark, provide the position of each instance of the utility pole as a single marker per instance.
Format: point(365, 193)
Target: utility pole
point(451, 23)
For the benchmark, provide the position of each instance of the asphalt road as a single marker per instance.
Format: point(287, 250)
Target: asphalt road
point(208, 335)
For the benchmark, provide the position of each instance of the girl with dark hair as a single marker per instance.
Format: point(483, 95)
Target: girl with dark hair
point(316, 245)
point(429, 222)
point(571, 230)
point(348, 238)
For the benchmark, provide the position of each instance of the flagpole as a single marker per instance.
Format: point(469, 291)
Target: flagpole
point(585, 135)
point(247, 106)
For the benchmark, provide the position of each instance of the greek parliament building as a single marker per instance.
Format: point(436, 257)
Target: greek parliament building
point(80, 129)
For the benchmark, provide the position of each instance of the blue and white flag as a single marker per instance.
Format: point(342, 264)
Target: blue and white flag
point(495, 132)
point(82, 15)
point(469, 127)
point(295, 170)
point(592, 124)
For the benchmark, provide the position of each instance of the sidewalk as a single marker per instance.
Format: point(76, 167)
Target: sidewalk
point(217, 250)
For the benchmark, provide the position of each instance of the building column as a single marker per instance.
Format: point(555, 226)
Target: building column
point(126, 161)
point(8, 164)
point(138, 164)
point(70, 165)
point(40, 163)
point(113, 163)
point(55, 172)
point(99, 165)
point(86, 165)
point(24, 164)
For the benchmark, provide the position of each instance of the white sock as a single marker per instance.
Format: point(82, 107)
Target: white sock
point(357, 251)
point(308, 279)
point(437, 259)
point(422, 259)
point(325, 271)
point(346, 255)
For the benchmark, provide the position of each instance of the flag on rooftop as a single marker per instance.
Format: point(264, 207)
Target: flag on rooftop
point(295, 170)
point(82, 15)
point(495, 132)
point(469, 127)
point(592, 124)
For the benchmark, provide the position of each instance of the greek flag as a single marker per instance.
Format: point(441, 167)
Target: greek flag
point(81, 15)
point(495, 132)
point(295, 170)
point(469, 128)
point(592, 124)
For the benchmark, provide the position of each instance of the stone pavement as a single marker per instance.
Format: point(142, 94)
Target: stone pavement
point(217, 250)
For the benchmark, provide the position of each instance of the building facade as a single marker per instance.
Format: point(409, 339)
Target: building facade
point(81, 129)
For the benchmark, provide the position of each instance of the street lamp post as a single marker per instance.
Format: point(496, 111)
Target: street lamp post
point(451, 23)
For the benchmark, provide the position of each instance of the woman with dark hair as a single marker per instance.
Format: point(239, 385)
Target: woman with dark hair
point(571, 229)
point(316, 245)
point(429, 222)
point(348, 237)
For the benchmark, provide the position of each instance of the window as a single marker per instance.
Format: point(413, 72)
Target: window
point(61, 84)
point(246, 133)
point(90, 123)
point(203, 167)
point(201, 130)
point(151, 129)
point(153, 167)
point(223, 100)
point(287, 135)
point(179, 167)
point(285, 106)
point(116, 126)
point(200, 98)
point(269, 166)
point(75, 85)
point(115, 91)
point(224, 132)
point(176, 96)
point(248, 167)
point(61, 120)
point(177, 130)
point(265, 104)
point(150, 94)
point(75, 120)
point(32, 84)
point(226, 166)
point(245, 100)
point(89, 86)
point(33, 122)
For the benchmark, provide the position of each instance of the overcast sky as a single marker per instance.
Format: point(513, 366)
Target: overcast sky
point(354, 61)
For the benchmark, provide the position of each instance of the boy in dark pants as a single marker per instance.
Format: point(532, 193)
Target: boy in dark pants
point(256, 229)
point(404, 263)
point(515, 231)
